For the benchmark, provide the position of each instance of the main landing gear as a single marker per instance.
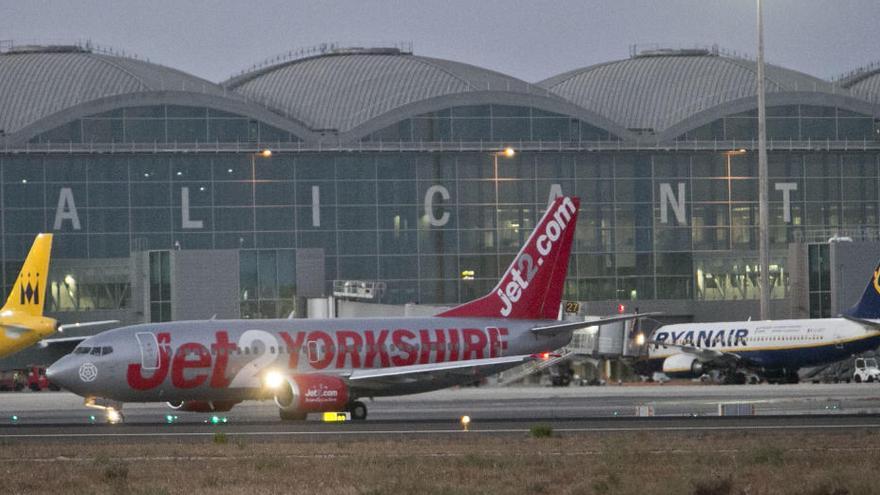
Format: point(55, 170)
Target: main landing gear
point(358, 410)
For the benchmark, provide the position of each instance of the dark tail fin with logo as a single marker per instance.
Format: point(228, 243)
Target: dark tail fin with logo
point(868, 306)
point(531, 288)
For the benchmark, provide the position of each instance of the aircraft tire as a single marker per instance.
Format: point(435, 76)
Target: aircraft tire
point(358, 410)
point(857, 379)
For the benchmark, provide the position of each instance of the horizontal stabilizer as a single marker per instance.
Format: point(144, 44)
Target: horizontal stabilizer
point(62, 341)
point(86, 324)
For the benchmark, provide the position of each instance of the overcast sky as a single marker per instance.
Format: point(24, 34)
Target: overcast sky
point(531, 40)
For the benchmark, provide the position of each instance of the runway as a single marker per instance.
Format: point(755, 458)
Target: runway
point(60, 415)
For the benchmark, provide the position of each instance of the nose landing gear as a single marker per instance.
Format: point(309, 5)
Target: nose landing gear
point(112, 409)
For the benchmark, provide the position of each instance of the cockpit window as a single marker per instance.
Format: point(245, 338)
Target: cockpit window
point(94, 351)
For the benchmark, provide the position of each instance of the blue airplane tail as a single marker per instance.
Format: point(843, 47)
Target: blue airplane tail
point(868, 306)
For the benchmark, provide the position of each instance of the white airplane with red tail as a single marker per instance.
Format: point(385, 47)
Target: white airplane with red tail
point(311, 366)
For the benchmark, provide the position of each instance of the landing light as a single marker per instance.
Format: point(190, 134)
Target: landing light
point(640, 339)
point(113, 416)
point(266, 153)
point(273, 380)
point(509, 152)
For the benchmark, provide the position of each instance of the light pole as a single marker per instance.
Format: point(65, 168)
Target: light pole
point(729, 154)
point(763, 213)
point(265, 153)
point(507, 152)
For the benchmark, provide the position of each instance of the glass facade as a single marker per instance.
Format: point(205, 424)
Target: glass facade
point(791, 122)
point(165, 124)
point(497, 123)
point(653, 225)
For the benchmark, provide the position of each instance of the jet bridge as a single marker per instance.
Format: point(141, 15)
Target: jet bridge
point(593, 345)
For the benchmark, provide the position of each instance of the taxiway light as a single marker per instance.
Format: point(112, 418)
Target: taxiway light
point(509, 152)
point(266, 153)
point(92, 418)
point(14, 418)
point(170, 418)
point(465, 421)
point(216, 420)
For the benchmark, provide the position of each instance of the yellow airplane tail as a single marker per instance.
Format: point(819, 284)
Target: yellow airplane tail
point(28, 294)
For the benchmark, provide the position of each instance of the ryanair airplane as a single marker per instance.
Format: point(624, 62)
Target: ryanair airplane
point(773, 350)
point(22, 323)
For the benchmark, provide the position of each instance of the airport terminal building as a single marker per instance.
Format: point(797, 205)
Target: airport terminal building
point(386, 166)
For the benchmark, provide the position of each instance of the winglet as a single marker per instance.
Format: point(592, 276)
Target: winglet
point(28, 294)
point(532, 286)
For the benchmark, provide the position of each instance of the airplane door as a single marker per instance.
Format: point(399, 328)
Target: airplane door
point(149, 350)
point(314, 356)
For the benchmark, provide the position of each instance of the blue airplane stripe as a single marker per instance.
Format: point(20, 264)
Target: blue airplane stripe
point(796, 357)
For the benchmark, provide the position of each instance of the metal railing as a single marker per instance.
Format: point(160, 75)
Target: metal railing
point(437, 146)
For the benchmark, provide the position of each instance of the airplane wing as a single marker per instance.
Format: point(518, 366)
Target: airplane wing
point(704, 355)
point(551, 330)
point(373, 378)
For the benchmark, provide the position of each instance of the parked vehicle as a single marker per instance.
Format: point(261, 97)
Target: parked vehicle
point(866, 370)
point(11, 381)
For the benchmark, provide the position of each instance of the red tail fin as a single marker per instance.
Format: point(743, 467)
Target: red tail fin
point(531, 288)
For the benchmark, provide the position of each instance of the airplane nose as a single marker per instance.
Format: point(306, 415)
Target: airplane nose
point(63, 373)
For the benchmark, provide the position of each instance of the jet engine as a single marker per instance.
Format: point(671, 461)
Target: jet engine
point(203, 406)
point(299, 395)
point(683, 366)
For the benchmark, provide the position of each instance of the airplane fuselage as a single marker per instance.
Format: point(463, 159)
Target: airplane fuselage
point(771, 345)
point(225, 360)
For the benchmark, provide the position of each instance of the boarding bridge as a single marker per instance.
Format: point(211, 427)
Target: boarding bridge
point(590, 344)
point(614, 340)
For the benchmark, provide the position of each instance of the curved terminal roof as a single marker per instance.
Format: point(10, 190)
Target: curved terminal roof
point(345, 88)
point(655, 89)
point(37, 81)
point(864, 83)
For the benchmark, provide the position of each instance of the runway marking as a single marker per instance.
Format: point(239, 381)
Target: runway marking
point(441, 432)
